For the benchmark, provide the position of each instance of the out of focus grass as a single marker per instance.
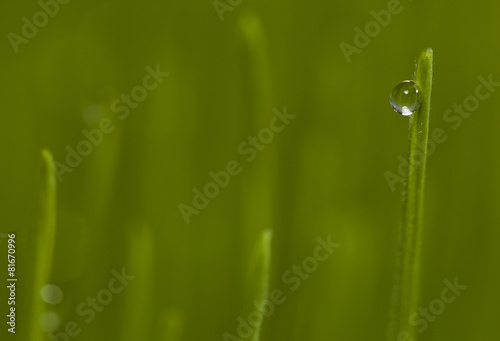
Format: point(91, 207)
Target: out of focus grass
point(322, 175)
point(45, 238)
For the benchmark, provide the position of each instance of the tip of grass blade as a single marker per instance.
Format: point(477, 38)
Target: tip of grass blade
point(266, 237)
point(48, 172)
point(250, 26)
point(423, 77)
point(174, 322)
point(427, 53)
point(47, 222)
point(424, 59)
point(255, 63)
point(260, 269)
point(261, 257)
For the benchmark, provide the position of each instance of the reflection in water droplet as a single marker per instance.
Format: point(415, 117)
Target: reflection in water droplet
point(49, 321)
point(51, 294)
point(406, 98)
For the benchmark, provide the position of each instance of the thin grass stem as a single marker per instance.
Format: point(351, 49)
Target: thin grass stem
point(406, 289)
point(259, 277)
point(45, 240)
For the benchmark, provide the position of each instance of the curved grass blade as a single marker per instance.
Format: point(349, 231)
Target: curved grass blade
point(258, 186)
point(406, 289)
point(45, 240)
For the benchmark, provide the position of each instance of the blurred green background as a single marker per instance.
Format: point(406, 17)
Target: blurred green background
point(322, 175)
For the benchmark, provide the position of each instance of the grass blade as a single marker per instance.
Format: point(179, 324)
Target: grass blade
point(259, 276)
point(174, 325)
point(45, 240)
point(141, 263)
point(258, 186)
point(408, 264)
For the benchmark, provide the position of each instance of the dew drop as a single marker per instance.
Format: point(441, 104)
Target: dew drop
point(51, 294)
point(406, 98)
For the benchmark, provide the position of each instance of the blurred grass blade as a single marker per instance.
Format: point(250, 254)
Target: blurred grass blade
point(138, 326)
point(407, 280)
point(258, 186)
point(45, 240)
point(259, 276)
point(257, 71)
point(174, 322)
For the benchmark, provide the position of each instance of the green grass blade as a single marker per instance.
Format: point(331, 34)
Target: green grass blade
point(257, 185)
point(259, 277)
point(138, 326)
point(45, 240)
point(408, 266)
point(174, 325)
point(256, 69)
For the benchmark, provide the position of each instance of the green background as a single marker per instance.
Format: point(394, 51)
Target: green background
point(322, 175)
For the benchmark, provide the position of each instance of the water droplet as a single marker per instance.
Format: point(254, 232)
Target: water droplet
point(51, 294)
point(406, 98)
